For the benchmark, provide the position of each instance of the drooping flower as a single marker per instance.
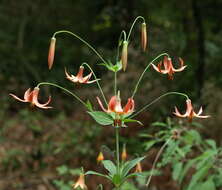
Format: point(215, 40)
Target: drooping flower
point(143, 36)
point(100, 157)
point(51, 52)
point(80, 182)
point(115, 106)
point(32, 97)
point(168, 67)
point(79, 77)
point(190, 114)
point(138, 168)
point(124, 56)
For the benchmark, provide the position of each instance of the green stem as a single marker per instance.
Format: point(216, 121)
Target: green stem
point(115, 83)
point(157, 99)
point(130, 31)
point(141, 76)
point(155, 161)
point(117, 148)
point(64, 89)
point(79, 38)
point(97, 81)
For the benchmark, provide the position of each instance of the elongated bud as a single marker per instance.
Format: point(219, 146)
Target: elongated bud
point(51, 52)
point(124, 55)
point(143, 36)
point(124, 154)
point(100, 157)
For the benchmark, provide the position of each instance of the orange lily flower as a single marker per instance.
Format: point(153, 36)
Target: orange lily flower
point(80, 183)
point(79, 77)
point(115, 106)
point(168, 67)
point(32, 97)
point(190, 112)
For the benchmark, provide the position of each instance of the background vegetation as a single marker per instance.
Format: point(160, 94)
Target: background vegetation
point(33, 143)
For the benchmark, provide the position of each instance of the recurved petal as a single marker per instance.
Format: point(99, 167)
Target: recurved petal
point(129, 107)
point(178, 114)
point(156, 68)
point(36, 102)
point(86, 78)
point(80, 73)
point(27, 94)
point(17, 98)
point(101, 105)
point(182, 66)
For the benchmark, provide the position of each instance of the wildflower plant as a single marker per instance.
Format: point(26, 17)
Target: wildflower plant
point(112, 112)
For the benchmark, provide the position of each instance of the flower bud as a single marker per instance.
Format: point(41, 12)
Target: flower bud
point(51, 52)
point(143, 36)
point(100, 157)
point(124, 55)
point(138, 168)
point(124, 154)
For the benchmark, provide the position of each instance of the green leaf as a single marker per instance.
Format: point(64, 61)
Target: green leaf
point(129, 165)
point(199, 175)
point(208, 185)
point(109, 165)
point(132, 121)
point(159, 124)
point(176, 170)
point(149, 144)
point(89, 105)
point(97, 173)
point(62, 170)
point(212, 143)
point(101, 118)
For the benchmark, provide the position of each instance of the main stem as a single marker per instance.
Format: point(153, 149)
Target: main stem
point(117, 148)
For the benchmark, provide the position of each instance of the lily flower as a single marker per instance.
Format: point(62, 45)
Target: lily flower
point(32, 97)
point(79, 77)
point(115, 106)
point(190, 112)
point(168, 67)
point(80, 183)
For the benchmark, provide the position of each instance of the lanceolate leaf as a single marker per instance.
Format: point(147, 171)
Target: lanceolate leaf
point(129, 165)
point(109, 165)
point(101, 117)
point(97, 173)
point(132, 121)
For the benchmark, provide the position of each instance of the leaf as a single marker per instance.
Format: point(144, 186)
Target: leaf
point(199, 175)
point(159, 124)
point(101, 117)
point(109, 165)
point(176, 170)
point(62, 169)
point(97, 173)
point(208, 185)
point(212, 143)
point(132, 120)
point(130, 164)
point(149, 144)
point(89, 105)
